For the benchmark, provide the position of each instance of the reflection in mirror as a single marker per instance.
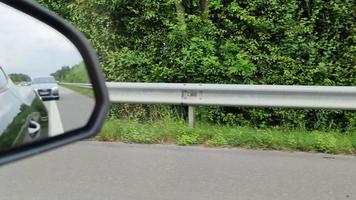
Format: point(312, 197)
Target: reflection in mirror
point(44, 86)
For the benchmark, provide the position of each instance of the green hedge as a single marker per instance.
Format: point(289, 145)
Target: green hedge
point(303, 42)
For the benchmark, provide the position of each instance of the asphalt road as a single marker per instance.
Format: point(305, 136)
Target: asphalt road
point(71, 111)
point(94, 170)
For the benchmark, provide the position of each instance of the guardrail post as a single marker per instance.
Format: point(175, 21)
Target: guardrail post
point(191, 116)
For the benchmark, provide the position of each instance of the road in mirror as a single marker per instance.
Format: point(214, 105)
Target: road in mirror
point(44, 86)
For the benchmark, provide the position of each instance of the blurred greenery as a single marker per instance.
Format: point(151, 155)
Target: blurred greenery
point(17, 78)
point(74, 74)
point(295, 42)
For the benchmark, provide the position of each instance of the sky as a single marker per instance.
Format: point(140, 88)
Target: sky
point(31, 47)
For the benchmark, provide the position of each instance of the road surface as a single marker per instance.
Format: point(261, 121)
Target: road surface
point(71, 111)
point(95, 170)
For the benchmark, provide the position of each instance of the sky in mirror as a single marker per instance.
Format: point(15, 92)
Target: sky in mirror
point(31, 47)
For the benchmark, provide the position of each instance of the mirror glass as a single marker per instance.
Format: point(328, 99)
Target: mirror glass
point(45, 90)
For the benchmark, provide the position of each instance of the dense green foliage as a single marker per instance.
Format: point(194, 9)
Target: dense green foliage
point(74, 74)
point(16, 78)
point(304, 42)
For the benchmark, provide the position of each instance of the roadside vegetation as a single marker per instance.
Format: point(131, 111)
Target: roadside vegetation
point(168, 125)
point(84, 91)
point(72, 74)
point(177, 132)
point(299, 42)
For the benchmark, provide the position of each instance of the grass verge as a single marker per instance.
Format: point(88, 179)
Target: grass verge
point(167, 131)
point(84, 91)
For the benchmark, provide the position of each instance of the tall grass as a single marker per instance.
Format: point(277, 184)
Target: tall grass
point(176, 131)
point(167, 124)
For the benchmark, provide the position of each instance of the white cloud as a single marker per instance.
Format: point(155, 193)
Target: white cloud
point(32, 47)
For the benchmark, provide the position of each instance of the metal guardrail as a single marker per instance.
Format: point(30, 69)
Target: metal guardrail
point(82, 85)
point(328, 97)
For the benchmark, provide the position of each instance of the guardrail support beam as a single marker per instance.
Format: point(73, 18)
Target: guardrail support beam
point(191, 116)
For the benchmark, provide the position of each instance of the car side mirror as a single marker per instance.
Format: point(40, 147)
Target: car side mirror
point(43, 60)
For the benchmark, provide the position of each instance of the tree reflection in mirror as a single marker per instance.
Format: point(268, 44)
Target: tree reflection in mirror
point(44, 86)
